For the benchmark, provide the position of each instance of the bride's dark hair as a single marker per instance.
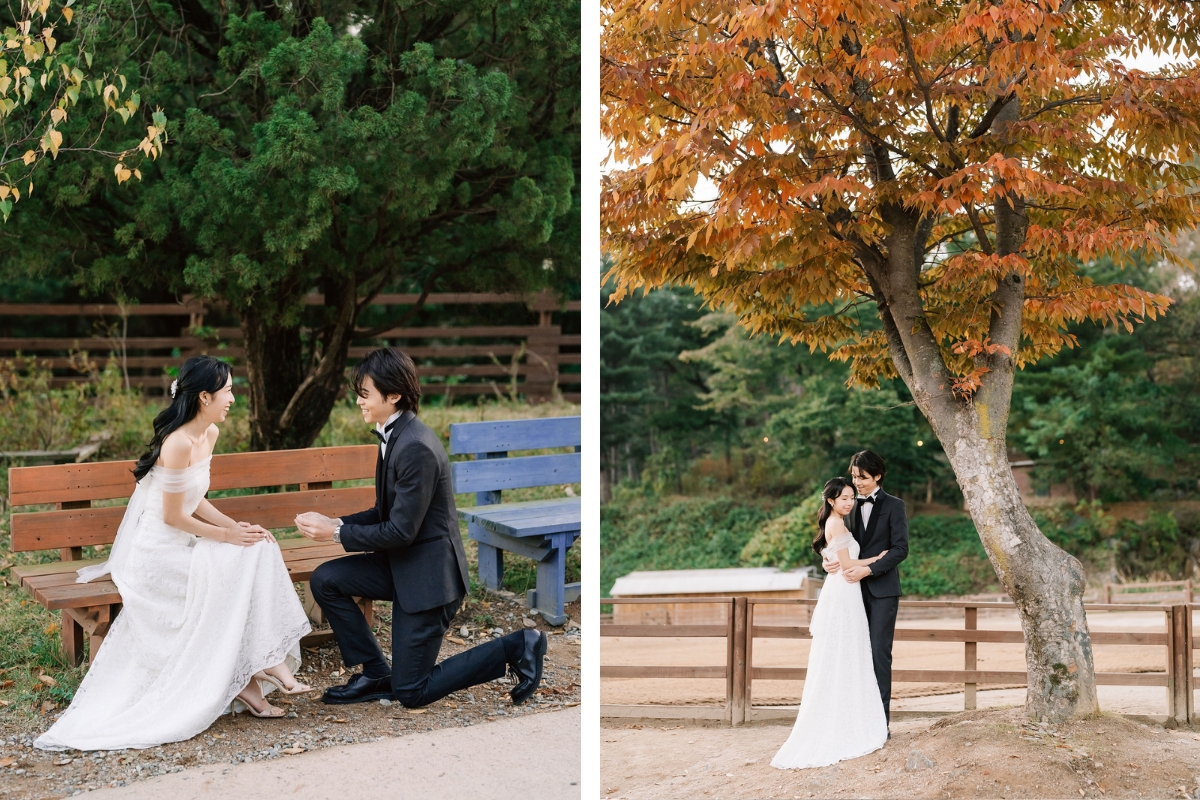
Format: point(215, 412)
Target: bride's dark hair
point(198, 374)
point(832, 491)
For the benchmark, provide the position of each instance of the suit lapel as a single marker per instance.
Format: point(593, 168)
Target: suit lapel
point(877, 511)
point(384, 468)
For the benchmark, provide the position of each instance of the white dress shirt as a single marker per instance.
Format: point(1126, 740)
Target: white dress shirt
point(385, 434)
point(867, 508)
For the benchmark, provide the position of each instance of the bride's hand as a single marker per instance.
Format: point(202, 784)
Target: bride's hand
point(881, 555)
point(266, 534)
point(244, 534)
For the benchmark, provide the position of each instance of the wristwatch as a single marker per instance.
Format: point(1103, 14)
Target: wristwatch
point(337, 530)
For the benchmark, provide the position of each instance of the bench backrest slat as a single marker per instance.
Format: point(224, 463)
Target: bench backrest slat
point(515, 473)
point(68, 484)
point(515, 434)
point(113, 479)
point(47, 530)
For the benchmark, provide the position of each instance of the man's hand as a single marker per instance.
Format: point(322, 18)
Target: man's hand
point(856, 574)
point(315, 526)
point(832, 567)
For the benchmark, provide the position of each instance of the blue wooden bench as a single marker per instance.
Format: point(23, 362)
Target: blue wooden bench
point(542, 530)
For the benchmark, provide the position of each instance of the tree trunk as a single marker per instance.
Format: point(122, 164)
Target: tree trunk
point(1045, 582)
point(289, 406)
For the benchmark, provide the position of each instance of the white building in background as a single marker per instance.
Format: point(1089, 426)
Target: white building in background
point(759, 583)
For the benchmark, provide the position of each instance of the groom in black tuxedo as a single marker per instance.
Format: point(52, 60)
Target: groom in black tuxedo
point(407, 550)
point(878, 523)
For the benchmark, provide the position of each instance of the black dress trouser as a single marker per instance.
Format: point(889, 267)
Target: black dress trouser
point(881, 622)
point(417, 678)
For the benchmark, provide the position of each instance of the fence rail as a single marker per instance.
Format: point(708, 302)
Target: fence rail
point(1157, 592)
point(543, 349)
point(740, 673)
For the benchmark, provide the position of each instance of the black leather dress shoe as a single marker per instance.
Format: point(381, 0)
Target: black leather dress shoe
point(528, 667)
point(359, 689)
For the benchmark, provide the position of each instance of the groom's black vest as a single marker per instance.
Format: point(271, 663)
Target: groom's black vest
point(414, 519)
point(887, 529)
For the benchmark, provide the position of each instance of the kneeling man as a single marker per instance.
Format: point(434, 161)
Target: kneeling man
point(407, 550)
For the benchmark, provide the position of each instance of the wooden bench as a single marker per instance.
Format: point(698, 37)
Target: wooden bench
point(542, 530)
point(91, 607)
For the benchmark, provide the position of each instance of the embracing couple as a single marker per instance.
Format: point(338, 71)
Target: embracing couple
point(861, 537)
point(210, 621)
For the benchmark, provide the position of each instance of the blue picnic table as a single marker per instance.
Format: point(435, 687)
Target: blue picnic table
point(543, 530)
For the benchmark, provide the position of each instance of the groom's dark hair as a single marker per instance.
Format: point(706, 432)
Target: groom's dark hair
point(392, 372)
point(869, 462)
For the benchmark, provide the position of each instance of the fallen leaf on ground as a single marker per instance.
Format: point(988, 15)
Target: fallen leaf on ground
point(340, 720)
point(46, 679)
point(456, 640)
point(7, 762)
point(291, 751)
point(3, 702)
point(6, 684)
point(415, 710)
point(64, 762)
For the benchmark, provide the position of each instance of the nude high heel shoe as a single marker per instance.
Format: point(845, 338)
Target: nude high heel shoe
point(245, 706)
point(278, 684)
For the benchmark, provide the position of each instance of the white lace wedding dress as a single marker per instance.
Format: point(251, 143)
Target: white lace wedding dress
point(841, 713)
point(198, 619)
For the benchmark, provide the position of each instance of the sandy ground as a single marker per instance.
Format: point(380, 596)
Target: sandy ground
point(446, 764)
point(994, 753)
point(906, 655)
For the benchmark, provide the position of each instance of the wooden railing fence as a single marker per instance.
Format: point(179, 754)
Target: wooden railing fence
point(543, 348)
point(740, 672)
point(1157, 592)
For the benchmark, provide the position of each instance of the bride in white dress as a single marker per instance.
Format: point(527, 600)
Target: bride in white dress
point(841, 714)
point(210, 621)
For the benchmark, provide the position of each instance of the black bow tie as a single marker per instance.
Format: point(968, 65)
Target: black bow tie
point(387, 429)
point(870, 499)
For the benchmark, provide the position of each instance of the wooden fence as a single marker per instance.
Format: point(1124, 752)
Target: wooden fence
point(1157, 592)
point(740, 672)
point(540, 350)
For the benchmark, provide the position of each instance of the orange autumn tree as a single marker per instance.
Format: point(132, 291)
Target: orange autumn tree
point(950, 164)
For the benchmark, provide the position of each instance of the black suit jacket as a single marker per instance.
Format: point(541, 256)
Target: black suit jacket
point(887, 529)
point(414, 520)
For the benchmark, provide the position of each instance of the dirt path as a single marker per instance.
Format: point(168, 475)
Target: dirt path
point(992, 753)
point(30, 774)
point(906, 655)
point(449, 764)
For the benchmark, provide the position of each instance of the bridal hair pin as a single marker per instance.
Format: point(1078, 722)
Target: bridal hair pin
point(174, 384)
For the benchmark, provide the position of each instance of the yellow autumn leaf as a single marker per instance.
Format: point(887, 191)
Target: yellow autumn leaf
point(55, 142)
point(68, 13)
point(57, 115)
point(50, 43)
point(4, 192)
point(137, 173)
point(29, 157)
point(122, 172)
point(5, 83)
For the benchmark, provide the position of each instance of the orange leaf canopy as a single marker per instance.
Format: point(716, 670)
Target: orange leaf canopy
point(768, 153)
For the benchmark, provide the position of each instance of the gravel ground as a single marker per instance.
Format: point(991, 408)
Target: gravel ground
point(26, 772)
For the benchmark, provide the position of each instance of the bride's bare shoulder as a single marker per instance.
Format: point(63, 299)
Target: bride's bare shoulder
point(833, 527)
point(176, 451)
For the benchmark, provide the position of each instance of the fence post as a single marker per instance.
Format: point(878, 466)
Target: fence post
point(729, 683)
point(1108, 593)
point(1179, 665)
point(739, 661)
point(541, 349)
point(969, 652)
point(749, 694)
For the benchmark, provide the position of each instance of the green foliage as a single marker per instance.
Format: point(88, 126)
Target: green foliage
point(1118, 417)
point(349, 148)
point(641, 531)
point(786, 541)
point(692, 404)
